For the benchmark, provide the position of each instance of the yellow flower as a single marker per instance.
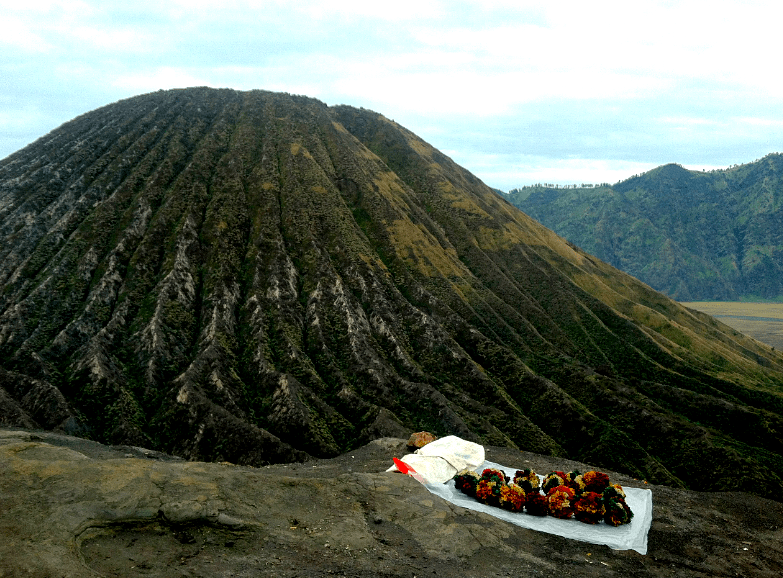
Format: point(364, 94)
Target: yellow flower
point(512, 497)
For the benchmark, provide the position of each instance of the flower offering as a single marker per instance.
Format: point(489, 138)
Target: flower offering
point(589, 497)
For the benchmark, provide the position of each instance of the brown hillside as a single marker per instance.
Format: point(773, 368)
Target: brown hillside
point(257, 277)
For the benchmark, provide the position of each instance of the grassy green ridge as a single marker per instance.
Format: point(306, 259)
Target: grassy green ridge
point(693, 235)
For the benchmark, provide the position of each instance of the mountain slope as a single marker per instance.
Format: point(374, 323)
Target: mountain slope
point(693, 235)
point(257, 277)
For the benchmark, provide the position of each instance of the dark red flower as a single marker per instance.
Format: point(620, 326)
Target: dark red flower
point(589, 508)
point(536, 504)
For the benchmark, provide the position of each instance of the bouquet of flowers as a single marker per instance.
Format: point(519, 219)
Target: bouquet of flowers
point(553, 480)
point(527, 479)
point(575, 481)
point(489, 486)
point(561, 501)
point(589, 508)
point(595, 481)
point(512, 498)
point(536, 504)
point(466, 482)
point(616, 511)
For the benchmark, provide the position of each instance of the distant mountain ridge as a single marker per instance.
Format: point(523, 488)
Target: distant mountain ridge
point(693, 235)
point(257, 277)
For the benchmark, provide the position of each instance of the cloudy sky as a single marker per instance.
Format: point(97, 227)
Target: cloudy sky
point(518, 92)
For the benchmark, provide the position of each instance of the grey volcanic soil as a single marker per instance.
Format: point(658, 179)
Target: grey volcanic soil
point(70, 507)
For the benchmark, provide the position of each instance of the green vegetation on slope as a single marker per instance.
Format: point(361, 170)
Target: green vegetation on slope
point(693, 235)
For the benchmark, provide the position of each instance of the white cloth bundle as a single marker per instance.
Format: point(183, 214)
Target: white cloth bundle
point(439, 461)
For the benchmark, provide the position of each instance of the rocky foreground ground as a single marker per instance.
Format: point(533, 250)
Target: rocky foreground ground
point(71, 507)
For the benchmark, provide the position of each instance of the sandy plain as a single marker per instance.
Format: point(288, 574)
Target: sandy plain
point(762, 321)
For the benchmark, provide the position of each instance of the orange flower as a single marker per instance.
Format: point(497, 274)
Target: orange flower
point(512, 497)
point(561, 502)
point(595, 481)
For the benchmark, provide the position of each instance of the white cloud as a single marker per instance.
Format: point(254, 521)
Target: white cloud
point(394, 11)
point(159, 78)
point(654, 81)
point(776, 123)
point(12, 122)
point(72, 29)
point(511, 171)
point(39, 8)
point(122, 40)
point(318, 10)
point(17, 35)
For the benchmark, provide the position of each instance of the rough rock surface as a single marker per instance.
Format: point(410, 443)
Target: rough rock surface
point(73, 508)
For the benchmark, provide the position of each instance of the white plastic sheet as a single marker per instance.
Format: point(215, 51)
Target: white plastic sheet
point(632, 536)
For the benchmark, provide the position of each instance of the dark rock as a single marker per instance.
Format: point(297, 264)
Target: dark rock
point(420, 439)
